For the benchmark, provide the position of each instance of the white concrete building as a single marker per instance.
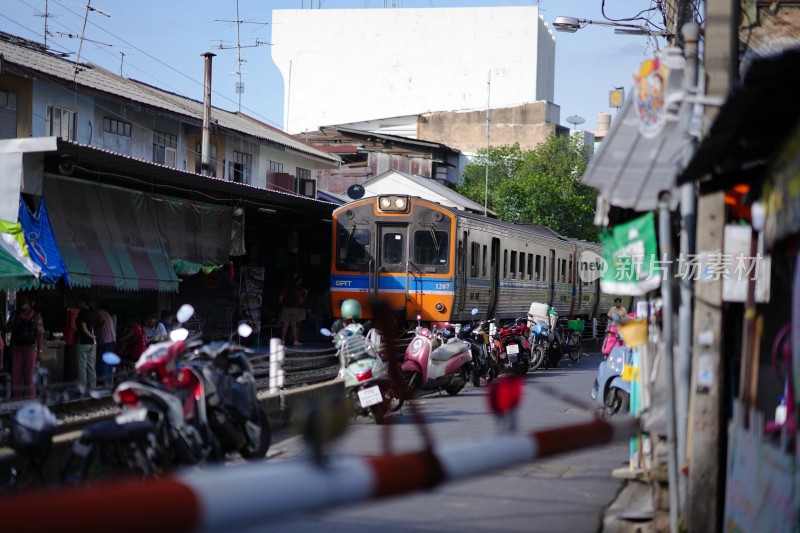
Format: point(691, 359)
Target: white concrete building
point(349, 65)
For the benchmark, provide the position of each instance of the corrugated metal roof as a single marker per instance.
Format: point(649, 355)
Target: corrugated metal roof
point(121, 168)
point(631, 170)
point(97, 78)
point(435, 187)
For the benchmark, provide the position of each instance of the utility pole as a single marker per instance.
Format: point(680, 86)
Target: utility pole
point(707, 448)
point(486, 185)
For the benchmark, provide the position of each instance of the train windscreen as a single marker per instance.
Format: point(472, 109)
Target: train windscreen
point(431, 248)
point(352, 248)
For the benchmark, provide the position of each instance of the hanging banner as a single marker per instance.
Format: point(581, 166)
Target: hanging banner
point(658, 83)
point(41, 243)
point(631, 260)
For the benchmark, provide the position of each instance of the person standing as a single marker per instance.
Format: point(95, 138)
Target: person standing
point(106, 327)
point(85, 344)
point(617, 309)
point(27, 341)
point(293, 310)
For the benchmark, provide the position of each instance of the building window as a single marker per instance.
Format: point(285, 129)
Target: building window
point(165, 148)
point(305, 185)
point(274, 166)
point(198, 159)
point(8, 115)
point(60, 122)
point(240, 168)
point(117, 135)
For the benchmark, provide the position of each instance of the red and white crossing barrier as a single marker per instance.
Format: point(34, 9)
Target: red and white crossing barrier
point(229, 498)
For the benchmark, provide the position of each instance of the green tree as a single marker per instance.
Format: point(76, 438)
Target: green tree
point(540, 186)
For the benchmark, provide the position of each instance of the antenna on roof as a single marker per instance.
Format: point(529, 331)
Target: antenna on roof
point(46, 15)
point(239, 46)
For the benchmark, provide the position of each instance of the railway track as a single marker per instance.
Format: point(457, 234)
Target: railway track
point(301, 369)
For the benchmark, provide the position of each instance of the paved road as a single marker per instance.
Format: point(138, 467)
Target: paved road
point(563, 494)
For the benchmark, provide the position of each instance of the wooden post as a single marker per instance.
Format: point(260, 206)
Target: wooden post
point(705, 453)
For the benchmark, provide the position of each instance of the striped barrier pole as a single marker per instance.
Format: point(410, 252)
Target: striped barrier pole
point(226, 499)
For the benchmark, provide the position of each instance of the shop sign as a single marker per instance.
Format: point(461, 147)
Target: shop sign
point(657, 90)
point(631, 260)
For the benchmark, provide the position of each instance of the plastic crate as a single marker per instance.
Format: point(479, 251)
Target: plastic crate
point(575, 325)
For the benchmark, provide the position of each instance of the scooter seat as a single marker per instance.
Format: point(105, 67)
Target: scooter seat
point(448, 351)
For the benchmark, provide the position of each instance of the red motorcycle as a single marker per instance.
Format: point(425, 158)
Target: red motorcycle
point(511, 348)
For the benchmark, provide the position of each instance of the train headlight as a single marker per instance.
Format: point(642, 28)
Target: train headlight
point(393, 203)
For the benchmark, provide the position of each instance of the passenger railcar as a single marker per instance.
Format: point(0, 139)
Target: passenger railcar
point(438, 262)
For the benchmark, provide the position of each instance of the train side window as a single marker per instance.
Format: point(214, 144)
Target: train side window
point(505, 263)
point(474, 258)
point(557, 273)
point(563, 271)
point(513, 265)
point(530, 266)
point(570, 278)
point(538, 268)
point(521, 265)
point(585, 269)
point(483, 270)
point(544, 268)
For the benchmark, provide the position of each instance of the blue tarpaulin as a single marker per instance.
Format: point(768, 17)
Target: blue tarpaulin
point(41, 243)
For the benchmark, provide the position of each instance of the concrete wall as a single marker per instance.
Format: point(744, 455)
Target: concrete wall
point(527, 124)
point(408, 61)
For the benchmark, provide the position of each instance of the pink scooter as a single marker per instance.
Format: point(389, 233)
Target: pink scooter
point(430, 363)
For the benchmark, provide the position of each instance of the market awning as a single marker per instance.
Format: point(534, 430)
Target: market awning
point(107, 236)
point(196, 235)
point(631, 170)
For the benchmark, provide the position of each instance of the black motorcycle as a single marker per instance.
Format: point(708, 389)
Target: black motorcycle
point(484, 365)
point(234, 413)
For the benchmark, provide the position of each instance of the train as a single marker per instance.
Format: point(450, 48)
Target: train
point(436, 263)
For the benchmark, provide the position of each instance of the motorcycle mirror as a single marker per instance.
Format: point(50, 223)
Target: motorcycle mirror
point(244, 330)
point(326, 332)
point(474, 311)
point(184, 313)
point(179, 334)
point(111, 359)
point(446, 331)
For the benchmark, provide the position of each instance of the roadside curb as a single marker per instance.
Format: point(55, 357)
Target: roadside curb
point(632, 511)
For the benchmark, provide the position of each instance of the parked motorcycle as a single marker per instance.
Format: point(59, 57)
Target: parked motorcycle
point(545, 340)
point(484, 363)
point(366, 376)
point(30, 435)
point(511, 347)
point(609, 391)
point(430, 363)
point(236, 418)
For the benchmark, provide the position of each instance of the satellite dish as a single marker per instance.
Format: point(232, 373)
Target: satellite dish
point(355, 191)
point(575, 120)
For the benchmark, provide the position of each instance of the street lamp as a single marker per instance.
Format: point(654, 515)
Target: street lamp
point(573, 24)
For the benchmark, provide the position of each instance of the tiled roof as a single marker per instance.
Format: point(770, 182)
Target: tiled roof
point(99, 79)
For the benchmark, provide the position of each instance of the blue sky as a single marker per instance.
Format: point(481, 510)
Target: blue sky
point(160, 42)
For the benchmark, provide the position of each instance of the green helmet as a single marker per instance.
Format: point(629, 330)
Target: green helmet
point(351, 309)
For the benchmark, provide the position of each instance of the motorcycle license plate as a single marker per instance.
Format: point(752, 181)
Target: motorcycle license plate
point(512, 349)
point(138, 414)
point(370, 396)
